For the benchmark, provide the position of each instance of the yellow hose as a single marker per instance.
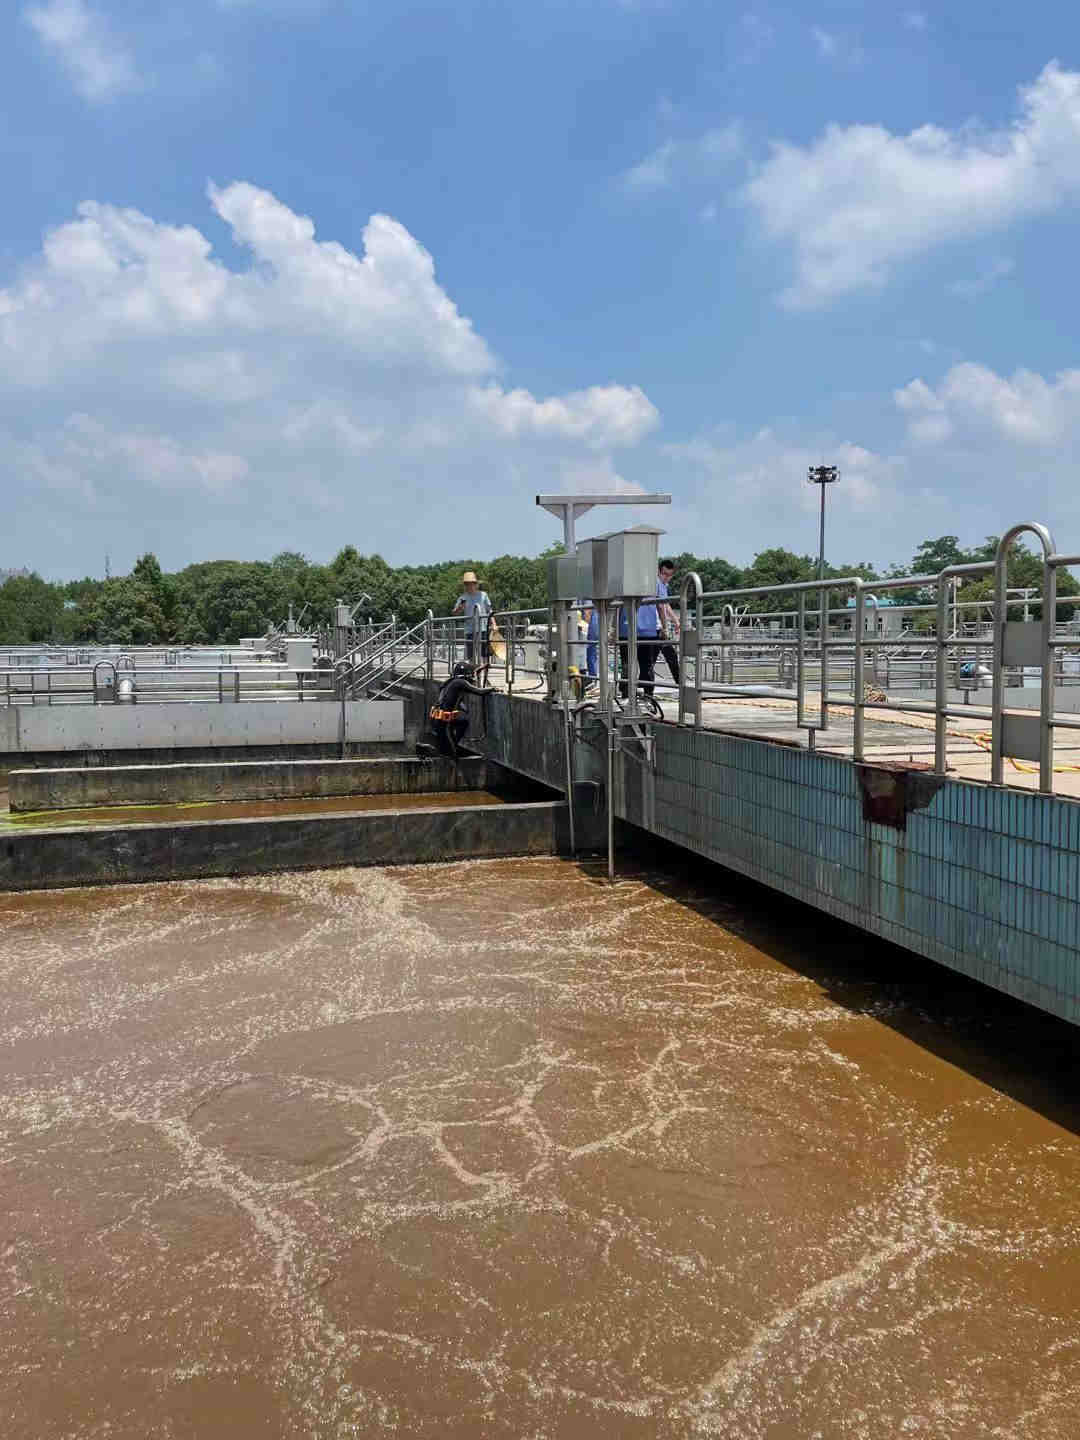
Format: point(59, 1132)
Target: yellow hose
point(985, 741)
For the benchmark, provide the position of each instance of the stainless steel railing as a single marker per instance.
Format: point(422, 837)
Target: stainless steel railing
point(816, 657)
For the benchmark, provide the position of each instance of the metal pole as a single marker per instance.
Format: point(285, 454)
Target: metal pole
point(860, 713)
point(569, 774)
point(940, 678)
point(631, 656)
point(1046, 692)
point(611, 801)
point(604, 655)
point(821, 538)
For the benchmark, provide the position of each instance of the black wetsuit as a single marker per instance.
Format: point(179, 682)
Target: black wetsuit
point(449, 722)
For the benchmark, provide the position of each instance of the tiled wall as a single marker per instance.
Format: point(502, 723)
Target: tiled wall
point(986, 881)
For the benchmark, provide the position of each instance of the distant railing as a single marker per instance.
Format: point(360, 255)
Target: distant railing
point(816, 658)
point(107, 683)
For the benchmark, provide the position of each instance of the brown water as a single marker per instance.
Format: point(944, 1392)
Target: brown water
point(494, 1150)
point(119, 815)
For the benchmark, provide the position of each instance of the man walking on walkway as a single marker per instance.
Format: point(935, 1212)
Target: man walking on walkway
point(475, 605)
point(648, 633)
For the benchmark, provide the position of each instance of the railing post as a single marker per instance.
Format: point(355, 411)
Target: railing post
point(690, 650)
point(857, 744)
point(509, 659)
point(800, 664)
point(1046, 689)
point(941, 679)
point(429, 647)
point(630, 609)
point(603, 625)
point(823, 639)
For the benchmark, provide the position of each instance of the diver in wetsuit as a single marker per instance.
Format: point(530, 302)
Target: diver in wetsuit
point(449, 722)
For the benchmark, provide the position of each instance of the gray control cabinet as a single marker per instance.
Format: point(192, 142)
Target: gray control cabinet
point(631, 562)
point(562, 577)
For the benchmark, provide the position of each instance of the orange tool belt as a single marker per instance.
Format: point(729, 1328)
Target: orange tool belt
point(437, 714)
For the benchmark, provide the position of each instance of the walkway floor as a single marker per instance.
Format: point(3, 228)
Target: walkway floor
point(890, 735)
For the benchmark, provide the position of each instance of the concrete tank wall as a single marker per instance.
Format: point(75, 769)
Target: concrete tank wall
point(90, 788)
point(92, 855)
point(34, 729)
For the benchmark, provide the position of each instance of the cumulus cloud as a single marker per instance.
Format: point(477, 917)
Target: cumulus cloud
point(99, 64)
point(314, 395)
point(860, 200)
point(1005, 446)
point(750, 493)
point(1027, 410)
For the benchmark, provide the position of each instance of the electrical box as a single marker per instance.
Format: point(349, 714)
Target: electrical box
point(592, 568)
point(631, 563)
point(562, 577)
point(299, 654)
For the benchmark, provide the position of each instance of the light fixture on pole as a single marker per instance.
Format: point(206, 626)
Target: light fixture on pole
point(822, 475)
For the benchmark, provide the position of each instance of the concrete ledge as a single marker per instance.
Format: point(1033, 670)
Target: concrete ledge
point(94, 787)
point(32, 729)
point(199, 755)
point(105, 855)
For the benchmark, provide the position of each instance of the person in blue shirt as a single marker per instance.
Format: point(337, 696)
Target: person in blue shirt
point(648, 634)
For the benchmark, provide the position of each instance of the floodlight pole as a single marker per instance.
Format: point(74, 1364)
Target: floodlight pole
point(822, 475)
point(567, 508)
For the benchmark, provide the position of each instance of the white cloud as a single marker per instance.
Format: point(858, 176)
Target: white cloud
point(99, 65)
point(827, 44)
point(707, 157)
point(973, 402)
point(1002, 449)
point(861, 200)
point(751, 493)
point(315, 396)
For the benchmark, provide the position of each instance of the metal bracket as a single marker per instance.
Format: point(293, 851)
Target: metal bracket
point(640, 734)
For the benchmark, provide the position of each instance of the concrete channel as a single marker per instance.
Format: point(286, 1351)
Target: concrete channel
point(91, 787)
point(55, 856)
point(103, 825)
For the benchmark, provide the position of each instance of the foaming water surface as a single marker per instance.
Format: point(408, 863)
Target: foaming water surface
point(494, 1149)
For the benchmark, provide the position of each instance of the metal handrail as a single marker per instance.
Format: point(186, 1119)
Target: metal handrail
point(822, 644)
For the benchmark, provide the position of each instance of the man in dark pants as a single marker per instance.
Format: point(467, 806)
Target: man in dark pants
point(449, 721)
point(669, 623)
point(648, 633)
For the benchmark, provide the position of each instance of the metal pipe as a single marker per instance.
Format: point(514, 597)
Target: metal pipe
point(611, 800)
point(630, 609)
point(568, 726)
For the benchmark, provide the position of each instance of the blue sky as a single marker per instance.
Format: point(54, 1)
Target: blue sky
point(663, 244)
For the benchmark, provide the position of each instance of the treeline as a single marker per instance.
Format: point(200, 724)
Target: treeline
point(218, 601)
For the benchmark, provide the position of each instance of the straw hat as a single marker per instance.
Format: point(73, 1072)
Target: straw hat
point(470, 575)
